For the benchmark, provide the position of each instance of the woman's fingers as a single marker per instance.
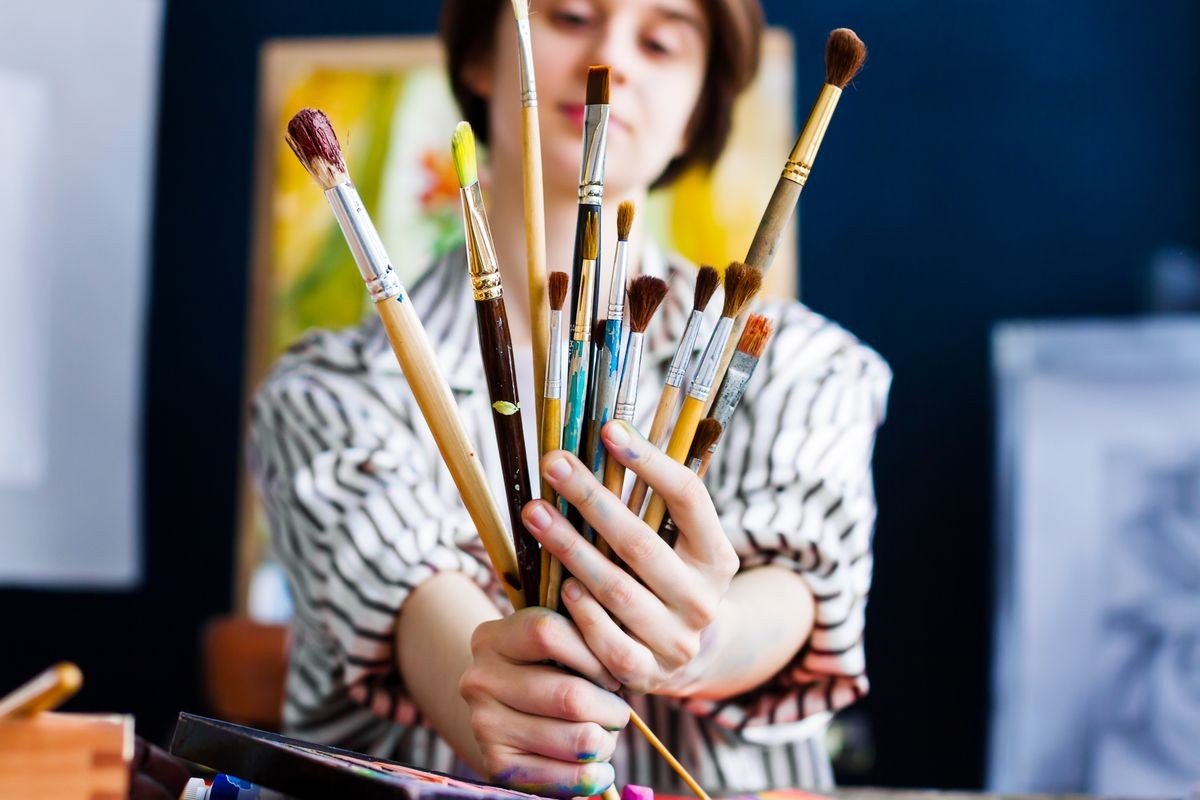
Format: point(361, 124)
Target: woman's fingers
point(639, 609)
point(539, 634)
point(581, 742)
point(549, 778)
point(642, 550)
point(545, 691)
point(702, 540)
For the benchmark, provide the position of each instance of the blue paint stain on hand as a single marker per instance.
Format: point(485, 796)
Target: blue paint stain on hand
point(586, 756)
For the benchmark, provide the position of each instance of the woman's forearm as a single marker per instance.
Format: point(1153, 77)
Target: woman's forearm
point(766, 616)
point(434, 636)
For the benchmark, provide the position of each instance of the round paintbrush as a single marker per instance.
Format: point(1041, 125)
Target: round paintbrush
point(845, 55)
point(312, 139)
point(646, 294)
point(741, 284)
point(707, 281)
point(499, 368)
point(552, 401)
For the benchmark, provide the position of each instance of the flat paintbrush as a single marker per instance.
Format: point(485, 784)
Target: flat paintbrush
point(707, 281)
point(746, 356)
point(608, 370)
point(495, 345)
point(845, 54)
point(741, 284)
point(312, 138)
point(646, 294)
point(551, 438)
point(535, 211)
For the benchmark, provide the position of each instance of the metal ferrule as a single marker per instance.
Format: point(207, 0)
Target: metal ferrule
point(365, 244)
point(737, 377)
point(554, 359)
point(481, 250)
point(525, 64)
point(616, 291)
point(706, 373)
point(627, 394)
point(595, 150)
point(803, 155)
point(582, 330)
point(683, 354)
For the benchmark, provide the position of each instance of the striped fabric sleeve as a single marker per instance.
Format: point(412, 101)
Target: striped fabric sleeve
point(792, 482)
point(356, 519)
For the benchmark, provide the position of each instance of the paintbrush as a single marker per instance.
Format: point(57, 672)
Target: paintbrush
point(741, 284)
point(312, 139)
point(646, 294)
point(552, 404)
point(535, 211)
point(495, 345)
point(750, 347)
point(707, 281)
point(708, 432)
point(845, 54)
point(579, 357)
point(591, 193)
point(608, 365)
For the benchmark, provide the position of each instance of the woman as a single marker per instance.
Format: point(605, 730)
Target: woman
point(737, 644)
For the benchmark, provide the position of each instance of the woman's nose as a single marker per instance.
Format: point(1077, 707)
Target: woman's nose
point(616, 47)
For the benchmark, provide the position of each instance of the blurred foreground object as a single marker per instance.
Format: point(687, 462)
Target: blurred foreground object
point(65, 756)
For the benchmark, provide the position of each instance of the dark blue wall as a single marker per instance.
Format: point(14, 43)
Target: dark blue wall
point(993, 160)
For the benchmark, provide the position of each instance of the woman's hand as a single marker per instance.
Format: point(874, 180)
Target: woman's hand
point(540, 728)
point(657, 626)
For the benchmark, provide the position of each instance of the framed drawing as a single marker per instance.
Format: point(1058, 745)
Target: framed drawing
point(391, 101)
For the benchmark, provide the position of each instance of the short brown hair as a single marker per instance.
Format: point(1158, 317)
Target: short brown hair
point(736, 26)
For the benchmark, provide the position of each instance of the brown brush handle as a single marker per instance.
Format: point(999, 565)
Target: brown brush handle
point(677, 450)
point(535, 254)
point(658, 437)
point(495, 342)
point(551, 440)
point(417, 360)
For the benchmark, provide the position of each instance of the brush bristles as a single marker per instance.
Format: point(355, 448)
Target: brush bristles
point(311, 137)
point(756, 335)
point(742, 282)
point(597, 86)
point(646, 294)
point(591, 237)
point(845, 54)
point(558, 290)
point(598, 333)
point(520, 9)
point(707, 434)
point(707, 281)
point(624, 220)
point(462, 151)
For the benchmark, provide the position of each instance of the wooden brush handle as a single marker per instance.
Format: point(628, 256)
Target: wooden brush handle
point(550, 440)
point(677, 450)
point(657, 437)
point(417, 360)
point(535, 252)
point(495, 342)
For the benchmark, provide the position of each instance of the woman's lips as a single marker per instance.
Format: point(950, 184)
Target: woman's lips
point(575, 112)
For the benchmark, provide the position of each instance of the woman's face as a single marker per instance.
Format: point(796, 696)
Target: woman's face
point(658, 52)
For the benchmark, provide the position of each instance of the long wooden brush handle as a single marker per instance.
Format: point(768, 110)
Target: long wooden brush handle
point(657, 744)
point(495, 342)
point(417, 360)
point(677, 450)
point(535, 252)
point(658, 437)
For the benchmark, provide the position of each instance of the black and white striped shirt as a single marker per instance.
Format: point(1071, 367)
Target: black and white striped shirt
point(362, 510)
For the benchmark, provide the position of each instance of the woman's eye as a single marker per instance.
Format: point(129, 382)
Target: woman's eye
point(657, 47)
point(569, 19)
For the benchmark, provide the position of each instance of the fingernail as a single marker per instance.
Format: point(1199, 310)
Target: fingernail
point(558, 469)
point(537, 517)
point(571, 590)
point(617, 434)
